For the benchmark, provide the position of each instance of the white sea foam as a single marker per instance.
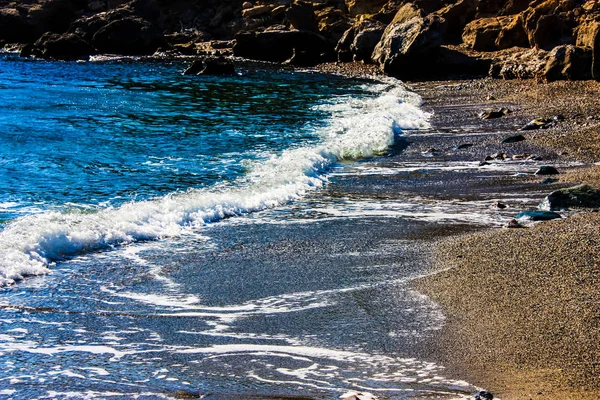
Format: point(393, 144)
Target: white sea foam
point(358, 128)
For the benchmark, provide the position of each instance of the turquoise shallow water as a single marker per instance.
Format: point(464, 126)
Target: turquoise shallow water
point(161, 237)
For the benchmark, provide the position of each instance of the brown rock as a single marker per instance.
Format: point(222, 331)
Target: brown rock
point(533, 14)
point(513, 34)
point(407, 41)
point(128, 36)
point(482, 33)
point(356, 7)
point(456, 16)
point(596, 56)
point(256, 11)
point(568, 62)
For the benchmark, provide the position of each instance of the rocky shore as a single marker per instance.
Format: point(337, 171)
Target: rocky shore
point(523, 303)
point(423, 39)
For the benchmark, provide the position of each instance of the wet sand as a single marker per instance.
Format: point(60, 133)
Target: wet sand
point(523, 304)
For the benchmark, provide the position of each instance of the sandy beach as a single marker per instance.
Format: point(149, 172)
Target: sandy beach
point(522, 304)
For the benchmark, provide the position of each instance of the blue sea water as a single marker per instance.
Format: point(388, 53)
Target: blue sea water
point(142, 255)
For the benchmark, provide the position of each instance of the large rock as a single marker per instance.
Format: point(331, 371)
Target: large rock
point(512, 34)
point(356, 7)
point(26, 21)
point(532, 15)
point(407, 41)
point(568, 62)
point(588, 36)
point(584, 196)
point(66, 46)
point(456, 17)
point(301, 16)
point(128, 36)
point(279, 46)
point(360, 40)
point(482, 34)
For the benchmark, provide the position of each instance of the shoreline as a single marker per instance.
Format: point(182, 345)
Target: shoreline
point(522, 304)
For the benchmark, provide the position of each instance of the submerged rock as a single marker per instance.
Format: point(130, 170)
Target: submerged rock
point(577, 196)
point(548, 181)
point(513, 223)
point(547, 170)
point(537, 215)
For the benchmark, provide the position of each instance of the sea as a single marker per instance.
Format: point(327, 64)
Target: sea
point(166, 236)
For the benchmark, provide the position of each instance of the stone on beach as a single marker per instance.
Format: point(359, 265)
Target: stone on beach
point(547, 170)
point(584, 196)
point(352, 395)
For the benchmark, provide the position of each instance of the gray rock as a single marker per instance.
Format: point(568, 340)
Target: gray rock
point(584, 196)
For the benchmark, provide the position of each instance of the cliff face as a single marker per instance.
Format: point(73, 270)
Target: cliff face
point(551, 39)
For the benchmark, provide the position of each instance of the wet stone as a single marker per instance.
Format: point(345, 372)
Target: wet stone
point(483, 395)
point(547, 170)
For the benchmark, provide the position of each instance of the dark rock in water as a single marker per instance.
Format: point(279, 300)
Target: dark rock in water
point(491, 114)
point(499, 156)
point(513, 223)
point(463, 146)
point(483, 395)
point(210, 66)
point(538, 123)
point(68, 46)
point(547, 170)
point(499, 205)
point(483, 163)
point(538, 215)
point(584, 196)
point(548, 181)
point(128, 36)
point(513, 139)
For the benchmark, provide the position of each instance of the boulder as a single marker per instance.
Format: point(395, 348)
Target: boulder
point(568, 62)
point(482, 34)
point(456, 17)
point(512, 34)
point(537, 215)
point(584, 196)
point(552, 30)
point(279, 46)
point(332, 23)
point(128, 36)
point(86, 28)
point(360, 40)
point(408, 41)
point(66, 46)
point(356, 7)
point(533, 14)
point(301, 16)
